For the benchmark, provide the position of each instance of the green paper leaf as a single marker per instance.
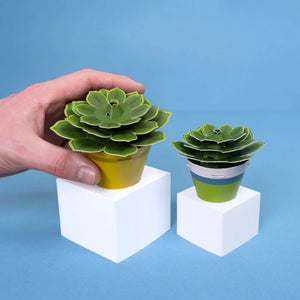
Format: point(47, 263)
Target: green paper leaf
point(75, 121)
point(162, 118)
point(201, 137)
point(179, 146)
point(116, 113)
point(213, 146)
point(74, 104)
point(140, 110)
point(226, 132)
point(109, 125)
point(146, 101)
point(88, 145)
point(104, 92)
point(144, 127)
point(96, 99)
point(85, 109)
point(123, 136)
point(220, 146)
point(197, 134)
point(94, 130)
point(237, 132)
point(218, 138)
point(116, 94)
point(249, 135)
point(232, 147)
point(134, 101)
point(239, 159)
point(252, 148)
point(130, 121)
point(132, 93)
point(151, 113)
point(245, 135)
point(150, 138)
point(201, 145)
point(120, 149)
point(208, 156)
point(208, 129)
point(191, 140)
point(68, 110)
point(112, 121)
point(223, 161)
point(182, 147)
point(66, 130)
point(90, 120)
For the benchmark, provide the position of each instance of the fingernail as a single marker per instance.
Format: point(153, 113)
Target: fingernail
point(87, 175)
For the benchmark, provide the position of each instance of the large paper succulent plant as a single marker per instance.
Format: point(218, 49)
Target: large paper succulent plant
point(218, 147)
point(112, 121)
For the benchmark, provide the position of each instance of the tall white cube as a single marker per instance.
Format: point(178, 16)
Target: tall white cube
point(218, 227)
point(115, 223)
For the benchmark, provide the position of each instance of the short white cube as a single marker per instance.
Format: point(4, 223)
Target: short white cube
point(218, 227)
point(115, 223)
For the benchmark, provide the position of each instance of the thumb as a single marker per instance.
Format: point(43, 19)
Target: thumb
point(64, 163)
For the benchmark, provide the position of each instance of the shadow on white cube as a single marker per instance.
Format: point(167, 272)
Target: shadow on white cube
point(115, 223)
point(218, 227)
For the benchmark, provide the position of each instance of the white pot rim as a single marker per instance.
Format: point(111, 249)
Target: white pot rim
point(221, 173)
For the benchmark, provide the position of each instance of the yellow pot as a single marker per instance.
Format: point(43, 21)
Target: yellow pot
point(120, 172)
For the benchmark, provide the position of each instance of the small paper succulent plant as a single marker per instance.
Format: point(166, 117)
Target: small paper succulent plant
point(221, 147)
point(112, 121)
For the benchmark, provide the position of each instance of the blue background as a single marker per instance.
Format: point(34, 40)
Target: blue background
point(206, 61)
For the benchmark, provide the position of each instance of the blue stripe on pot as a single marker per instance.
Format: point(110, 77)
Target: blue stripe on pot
point(217, 181)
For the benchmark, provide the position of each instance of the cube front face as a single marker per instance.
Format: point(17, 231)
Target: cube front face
point(241, 223)
point(143, 217)
point(198, 224)
point(218, 227)
point(87, 219)
point(116, 223)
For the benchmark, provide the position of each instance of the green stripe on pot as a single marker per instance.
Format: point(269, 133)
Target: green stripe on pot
point(216, 193)
point(217, 185)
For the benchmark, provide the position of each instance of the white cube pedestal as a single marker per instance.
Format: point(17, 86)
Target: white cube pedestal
point(218, 227)
point(115, 223)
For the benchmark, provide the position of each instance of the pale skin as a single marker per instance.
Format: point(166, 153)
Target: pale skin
point(25, 119)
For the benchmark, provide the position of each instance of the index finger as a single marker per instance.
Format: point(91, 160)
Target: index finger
point(76, 85)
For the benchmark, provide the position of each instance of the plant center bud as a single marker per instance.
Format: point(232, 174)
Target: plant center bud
point(217, 130)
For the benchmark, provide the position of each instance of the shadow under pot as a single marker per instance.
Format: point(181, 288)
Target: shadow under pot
point(120, 172)
point(217, 185)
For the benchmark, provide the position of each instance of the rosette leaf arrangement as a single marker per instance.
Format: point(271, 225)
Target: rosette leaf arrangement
point(221, 147)
point(112, 121)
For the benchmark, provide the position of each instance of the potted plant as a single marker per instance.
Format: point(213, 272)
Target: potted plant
point(116, 130)
point(217, 158)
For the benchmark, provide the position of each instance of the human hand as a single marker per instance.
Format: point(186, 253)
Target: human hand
point(25, 119)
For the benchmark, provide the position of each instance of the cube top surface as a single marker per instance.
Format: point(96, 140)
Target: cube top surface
point(242, 196)
point(149, 175)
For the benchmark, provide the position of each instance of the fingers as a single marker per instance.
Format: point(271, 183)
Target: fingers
point(64, 163)
point(10, 173)
point(10, 96)
point(76, 85)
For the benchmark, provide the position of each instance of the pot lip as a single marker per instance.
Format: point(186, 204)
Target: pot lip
point(217, 173)
point(102, 156)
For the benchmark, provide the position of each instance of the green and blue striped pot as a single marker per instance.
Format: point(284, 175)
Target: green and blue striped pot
point(217, 185)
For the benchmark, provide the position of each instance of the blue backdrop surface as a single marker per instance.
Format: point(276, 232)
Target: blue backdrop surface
point(218, 61)
point(218, 54)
